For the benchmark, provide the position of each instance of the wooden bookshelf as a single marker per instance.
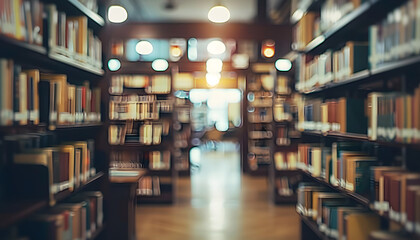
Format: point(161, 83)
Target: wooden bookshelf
point(12, 213)
point(366, 14)
point(305, 7)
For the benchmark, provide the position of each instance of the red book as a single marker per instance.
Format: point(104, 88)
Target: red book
point(83, 99)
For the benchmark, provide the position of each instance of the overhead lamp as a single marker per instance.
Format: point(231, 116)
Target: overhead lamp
point(160, 65)
point(144, 47)
point(268, 48)
point(175, 51)
point(214, 65)
point(213, 78)
point(114, 64)
point(283, 65)
point(117, 14)
point(219, 14)
point(216, 47)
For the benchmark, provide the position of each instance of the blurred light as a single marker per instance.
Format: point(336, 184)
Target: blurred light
point(283, 65)
point(233, 96)
point(114, 64)
point(219, 14)
point(117, 14)
point(175, 51)
point(222, 126)
point(198, 95)
point(160, 65)
point(268, 48)
point(144, 47)
point(192, 49)
point(214, 65)
point(216, 47)
point(240, 61)
point(213, 78)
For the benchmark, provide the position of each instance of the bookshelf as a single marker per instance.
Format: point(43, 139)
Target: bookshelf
point(362, 153)
point(28, 189)
point(142, 137)
point(258, 104)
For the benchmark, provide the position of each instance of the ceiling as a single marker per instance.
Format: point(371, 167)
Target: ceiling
point(242, 11)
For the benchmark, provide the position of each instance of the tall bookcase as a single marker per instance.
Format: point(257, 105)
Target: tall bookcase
point(140, 125)
point(358, 118)
point(30, 190)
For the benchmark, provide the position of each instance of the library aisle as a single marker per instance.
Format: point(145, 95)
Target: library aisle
point(218, 203)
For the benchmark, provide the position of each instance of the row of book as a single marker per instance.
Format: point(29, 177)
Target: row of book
point(394, 116)
point(153, 160)
point(344, 164)
point(331, 66)
point(133, 107)
point(182, 137)
point(282, 109)
point(286, 160)
point(156, 84)
point(29, 96)
point(287, 185)
point(313, 24)
point(334, 214)
point(70, 36)
point(282, 85)
point(397, 36)
point(260, 99)
point(149, 133)
point(63, 167)
point(79, 217)
point(345, 115)
point(260, 115)
point(149, 186)
point(22, 20)
point(260, 131)
point(181, 160)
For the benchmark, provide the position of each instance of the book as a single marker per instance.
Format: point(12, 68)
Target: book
point(359, 225)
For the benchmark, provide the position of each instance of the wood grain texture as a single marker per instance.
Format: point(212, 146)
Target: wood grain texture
point(219, 204)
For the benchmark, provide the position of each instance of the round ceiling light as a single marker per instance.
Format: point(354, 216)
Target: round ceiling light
point(283, 65)
point(114, 64)
point(214, 65)
point(144, 47)
point(216, 47)
point(219, 14)
point(117, 14)
point(160, 65)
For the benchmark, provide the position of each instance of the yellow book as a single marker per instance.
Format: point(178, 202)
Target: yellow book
point(359, 225)
point(70, 150)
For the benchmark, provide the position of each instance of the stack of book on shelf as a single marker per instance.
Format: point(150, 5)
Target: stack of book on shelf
point(286, 185)
point(149, 186)
point(133, 107)
point(80, 217)
point(182, 137)
point(156, 84)
point(345, 164)
point(286, 160)
point(345, 115)
point(396, 37)
point(282, 85)
point(22, 20)
point(19, 98)
point(332, 66)
point(153, 160)
point(334, 214)
point(261, 131)
point(313, 24)
point(148, 133)
point(282, 110)
point(30, 97)
point(64, 167)
point(393, 116)
point(70, 37)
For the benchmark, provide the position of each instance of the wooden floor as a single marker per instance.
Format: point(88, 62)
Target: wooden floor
point(219, 204)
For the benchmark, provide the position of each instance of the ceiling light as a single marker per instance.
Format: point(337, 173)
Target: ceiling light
point(160, 65)
point(283, 65)
point(214, 65)
point(144, 47)
point(216, 47)
point(117, 14)
point(219, 14)
point(175, 51)
point(114, 64)
point(213, 78)
point(268, 48)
